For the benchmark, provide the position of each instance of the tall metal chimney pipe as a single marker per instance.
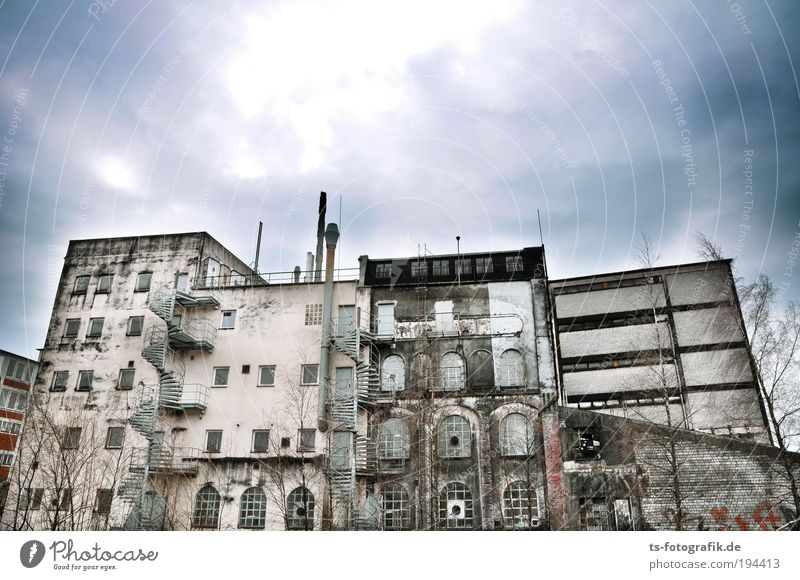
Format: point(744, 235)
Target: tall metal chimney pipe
point(331, 237)
point(258, 246)
point(323, 204)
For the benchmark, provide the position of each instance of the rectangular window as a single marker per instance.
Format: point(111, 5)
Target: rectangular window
point(72, 438)
point(213, 441)
point(306, 439)
point(104, 284)
point(419, 268)
point(10, 426)
point(309, 374)
point(19, 370)
point(260, 440)
point(143, 282)
point(12, 399)
point(81, 285)
point(221, 376)
point(464, 266)
point(228, 319)
point(266, 376)
point(484, 265)
point(441, 267)
point(593, 514)
point(85, 379)
point(135, 324)
point(6, 458)
point(182, 282)
point(313, 314)
point(513, 263)
point(62, 500)
point(383, 271)
point(71, 327)
point(126, 377)
point(59, 381)
point(31, 498)
point(115, 437)
point(95, 327)
point(102, 503)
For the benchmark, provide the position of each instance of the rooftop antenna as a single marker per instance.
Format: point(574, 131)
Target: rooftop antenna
point(539, 217)
point(258, 247)
point(458, 260)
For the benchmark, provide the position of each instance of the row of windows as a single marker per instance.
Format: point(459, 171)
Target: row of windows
point(13, 399)
point(260, 443)
point(72, 326)
point(608, 285)
point(31, 499)
point(125, 380)
point(6, 458)
point(104, 282)
point(615, 361)
point(309, 375)
point(253, 509)
point(463, 266)
point(453, 370)
point(115, 437)
point(9, 426)
point(19, 370)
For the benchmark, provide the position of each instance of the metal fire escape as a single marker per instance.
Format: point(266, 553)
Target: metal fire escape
point(148, 510)
point(350, 460)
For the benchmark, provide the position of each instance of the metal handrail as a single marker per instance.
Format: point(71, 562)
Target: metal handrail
point(265, 278)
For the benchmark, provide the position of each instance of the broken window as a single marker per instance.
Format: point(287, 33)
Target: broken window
point(396, 507)
point(71, 327)
point(102, 502)
point(309, 374)
point(266, 376)
point(593, 514)
point(72, 438)
point(221, 376)
point(452, 372)
point(510, 369)
point(484, 265)
point(393, 373)
point(455, 507)
point(115, 437)
point(206, 508)
point(520, 506)
point(81, 285)
point(126, 379)
point(393, 439)
point(588, 445)
point(60, 379)
point(104, 284)
point(253, 509)
point(135, 324)
point(214, 441)
point(441, 267)
point(454, 437)
point(300, 509)
point(516, 436)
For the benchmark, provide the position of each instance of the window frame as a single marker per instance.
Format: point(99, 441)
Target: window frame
point(31, 493)
point(71, 321)
point(140, 287)
point(463, 267)
point(514, 264)
point(394, 445)
point(396, 504)
point(302, 444)
point(72, 438)
point(112, 430)
point(103, 494)
point(515, 443)
point(386, 378)
point(131, 319)
point(90, 332)
point(446, 432)
point(81, 374)
point(484, 265)
point(519, 504)
point(449, 374)
point(440, 267)
point(207, 448)
point(214, 382)
point(300, 496)
point(232, 314)
point(252, 499)
point(383, 271)
point(261, 369)
point(303, 369)
point(54, 388)
point(13, 399)
point(511, 374)
point(100, 289)
point(205, 515)
point(253, 441)
point(126, 372)
point(85, 279)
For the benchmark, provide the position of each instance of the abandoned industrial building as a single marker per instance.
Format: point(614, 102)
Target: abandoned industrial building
point(179, 388)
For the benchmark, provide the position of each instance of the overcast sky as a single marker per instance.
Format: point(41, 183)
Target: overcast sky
point(427, 120)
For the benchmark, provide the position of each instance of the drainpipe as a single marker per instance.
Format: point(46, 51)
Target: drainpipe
point(331, 237)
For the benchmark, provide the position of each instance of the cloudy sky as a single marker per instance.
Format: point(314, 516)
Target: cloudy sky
point(422, 121)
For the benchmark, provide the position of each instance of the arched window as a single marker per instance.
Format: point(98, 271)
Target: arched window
point(393, 439)
point(511, 370)
point(454, 438)
point(520, 506)
point(421, 370)
point(481, 369)
point(300, 510)
point(396, 508)
point(455, 507)
point(393, 373)
point(451, 371)
point(516, 435)
point(206, 508)
point(253, 509)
